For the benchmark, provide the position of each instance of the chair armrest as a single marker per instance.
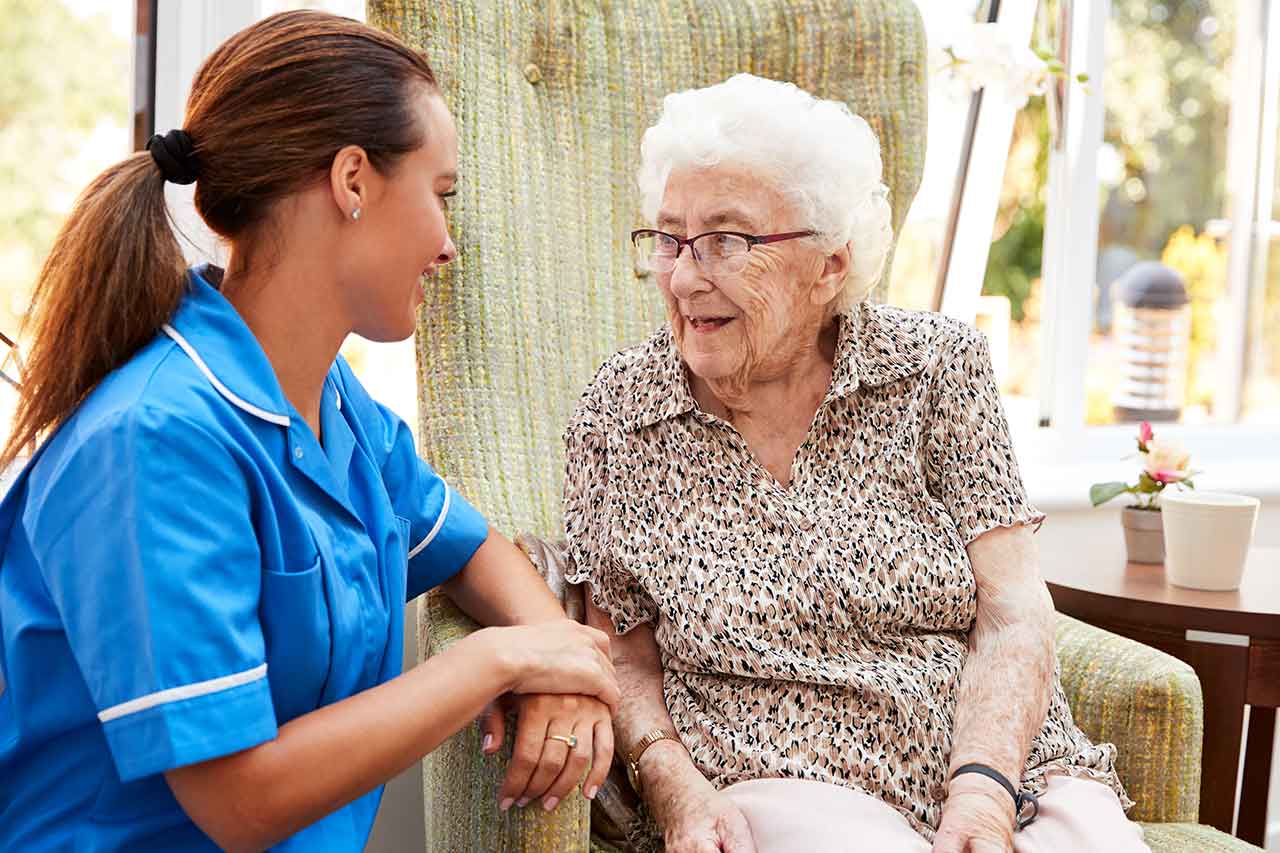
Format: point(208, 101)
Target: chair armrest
point(460, 784)
point(1145, 702)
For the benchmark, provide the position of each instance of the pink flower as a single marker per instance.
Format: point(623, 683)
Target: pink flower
point(1168, 477)
point(1145, 432)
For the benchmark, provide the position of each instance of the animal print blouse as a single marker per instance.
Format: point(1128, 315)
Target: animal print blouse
point(816, 631)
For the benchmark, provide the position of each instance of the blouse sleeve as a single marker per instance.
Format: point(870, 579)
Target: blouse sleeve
point(587, 516)
point(968, 456)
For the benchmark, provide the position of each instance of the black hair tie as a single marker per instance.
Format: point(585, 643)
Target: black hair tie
point(174, 153)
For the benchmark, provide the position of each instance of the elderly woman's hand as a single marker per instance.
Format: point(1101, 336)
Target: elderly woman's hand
point(706, 821)
point(977, 818)
point(694, 816)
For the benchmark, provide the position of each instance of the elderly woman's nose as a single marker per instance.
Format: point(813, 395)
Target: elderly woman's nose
point(687, 277)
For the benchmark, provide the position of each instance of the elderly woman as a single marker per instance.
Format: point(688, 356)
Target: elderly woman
point(801, 518)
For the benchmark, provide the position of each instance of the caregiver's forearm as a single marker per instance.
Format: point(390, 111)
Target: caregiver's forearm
point(1007, 681)
point(499, 586)
point(324, 759)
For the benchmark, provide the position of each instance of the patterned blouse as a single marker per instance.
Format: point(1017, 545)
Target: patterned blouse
point(816, 631)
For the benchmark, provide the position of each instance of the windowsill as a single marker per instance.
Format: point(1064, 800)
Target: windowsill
point(1063, 486)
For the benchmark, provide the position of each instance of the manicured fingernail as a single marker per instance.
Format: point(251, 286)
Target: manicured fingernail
point(506, 804)
point(551, 803)
point(592, 791)
point(524, 801)
point(488, 742)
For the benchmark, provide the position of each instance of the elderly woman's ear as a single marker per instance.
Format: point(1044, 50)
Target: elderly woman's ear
point(834, 276)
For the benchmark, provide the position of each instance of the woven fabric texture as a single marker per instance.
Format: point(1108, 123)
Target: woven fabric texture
point(1193, 838)
point(1149, 705)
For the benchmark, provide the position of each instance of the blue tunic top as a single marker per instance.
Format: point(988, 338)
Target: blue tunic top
point(186, 568)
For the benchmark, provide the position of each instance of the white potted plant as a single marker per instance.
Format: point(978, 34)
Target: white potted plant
point(1164, 463)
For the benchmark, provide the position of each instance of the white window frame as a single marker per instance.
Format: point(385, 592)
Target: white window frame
point(1062, 456)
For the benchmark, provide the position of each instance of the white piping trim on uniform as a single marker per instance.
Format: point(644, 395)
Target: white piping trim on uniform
point(270, 417)
point(444, 512)
point(186, 691)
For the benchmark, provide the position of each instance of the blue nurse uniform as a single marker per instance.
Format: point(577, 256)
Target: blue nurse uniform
point(185, 568)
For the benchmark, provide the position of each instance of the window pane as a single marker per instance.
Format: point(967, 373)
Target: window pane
point(919, 245)
point(62, 122)
point(1162, 169)
point(1262, 357)
point(1009, 310)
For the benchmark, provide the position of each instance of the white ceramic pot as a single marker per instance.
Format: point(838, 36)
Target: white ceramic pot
point(1207, 537)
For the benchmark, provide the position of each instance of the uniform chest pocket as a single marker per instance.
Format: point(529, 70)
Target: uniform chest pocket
point(294, 613)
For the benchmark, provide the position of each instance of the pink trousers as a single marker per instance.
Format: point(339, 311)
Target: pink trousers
point(798, 816)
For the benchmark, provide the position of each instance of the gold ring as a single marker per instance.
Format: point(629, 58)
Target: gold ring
point(568, 740)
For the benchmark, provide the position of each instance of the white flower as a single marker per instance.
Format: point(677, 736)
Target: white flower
point(983, 56)
point(1166, 461)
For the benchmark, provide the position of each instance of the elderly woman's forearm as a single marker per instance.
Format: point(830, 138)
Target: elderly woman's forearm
point(1007, 681)
point(638, 665)
point(1004, 696)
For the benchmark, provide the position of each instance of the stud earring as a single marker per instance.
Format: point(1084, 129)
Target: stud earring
point(355, 214)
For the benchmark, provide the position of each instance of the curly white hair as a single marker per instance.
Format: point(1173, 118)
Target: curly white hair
point(822, 157)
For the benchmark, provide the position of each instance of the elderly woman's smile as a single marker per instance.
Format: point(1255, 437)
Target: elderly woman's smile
point(739, 298)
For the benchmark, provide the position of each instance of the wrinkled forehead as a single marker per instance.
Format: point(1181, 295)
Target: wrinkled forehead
point(729, 197)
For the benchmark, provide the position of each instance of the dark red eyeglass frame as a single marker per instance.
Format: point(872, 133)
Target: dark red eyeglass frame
point(752, 239)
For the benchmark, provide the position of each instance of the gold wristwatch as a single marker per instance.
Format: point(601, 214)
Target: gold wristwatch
point(633, 757)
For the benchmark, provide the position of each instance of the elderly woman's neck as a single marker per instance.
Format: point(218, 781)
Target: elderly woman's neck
point(779, 390)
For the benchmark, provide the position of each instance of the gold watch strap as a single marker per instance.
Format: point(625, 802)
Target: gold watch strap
point(633, 757)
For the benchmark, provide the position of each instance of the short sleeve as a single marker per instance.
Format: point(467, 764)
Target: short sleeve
point(444, 529)
point(968, 456)
point(147, 546)
point(587, 523)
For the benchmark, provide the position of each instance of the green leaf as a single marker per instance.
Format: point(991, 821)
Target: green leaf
point(1082, 78)
point(1100, 493)
point(1148, 486)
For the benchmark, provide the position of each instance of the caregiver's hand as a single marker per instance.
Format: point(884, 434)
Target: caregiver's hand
point(541, 766)
point(561, 656)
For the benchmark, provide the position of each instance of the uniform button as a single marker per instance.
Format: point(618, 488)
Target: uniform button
point(533, 74)
point(297, 452)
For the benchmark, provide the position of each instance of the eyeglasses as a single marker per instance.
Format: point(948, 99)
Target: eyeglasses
point(718, 252)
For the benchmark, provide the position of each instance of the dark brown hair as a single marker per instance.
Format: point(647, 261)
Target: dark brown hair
point(268, 111)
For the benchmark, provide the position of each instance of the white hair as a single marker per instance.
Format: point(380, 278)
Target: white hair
point(821, 156)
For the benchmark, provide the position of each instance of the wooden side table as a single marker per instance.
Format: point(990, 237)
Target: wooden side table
point(1231, 639)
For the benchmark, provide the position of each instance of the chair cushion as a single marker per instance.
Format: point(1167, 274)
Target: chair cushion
point(1193, 838)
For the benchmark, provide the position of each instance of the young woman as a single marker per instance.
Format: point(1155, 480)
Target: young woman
point(205, 564)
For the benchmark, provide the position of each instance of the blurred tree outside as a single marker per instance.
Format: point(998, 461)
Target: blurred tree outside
point(64, 103)
point(1202, 260)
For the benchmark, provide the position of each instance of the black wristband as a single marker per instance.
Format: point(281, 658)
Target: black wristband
point(1020, 799)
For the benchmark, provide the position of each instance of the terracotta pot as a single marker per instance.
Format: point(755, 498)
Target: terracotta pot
point(1143, 535)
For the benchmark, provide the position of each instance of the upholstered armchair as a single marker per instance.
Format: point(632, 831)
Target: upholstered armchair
point(551, 98)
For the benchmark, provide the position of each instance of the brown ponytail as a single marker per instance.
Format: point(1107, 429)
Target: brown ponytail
point(268, 111)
